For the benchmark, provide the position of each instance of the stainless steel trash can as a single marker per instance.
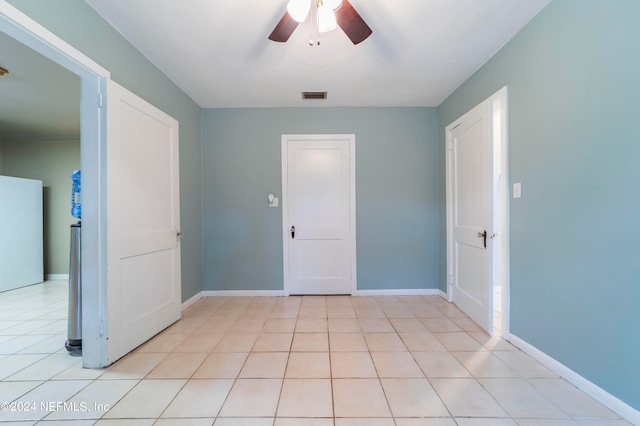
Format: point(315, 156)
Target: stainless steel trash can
point(74, 329)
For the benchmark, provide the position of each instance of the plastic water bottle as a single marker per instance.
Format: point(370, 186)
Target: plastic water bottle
point(76, 203)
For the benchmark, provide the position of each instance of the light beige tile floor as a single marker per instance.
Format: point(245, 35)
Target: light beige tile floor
point(295, 361)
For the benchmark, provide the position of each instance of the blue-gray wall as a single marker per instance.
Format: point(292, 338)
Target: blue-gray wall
point(50, 159)
point(574, 143)
point(574, 100)
point(396, 193)
point(79, 25)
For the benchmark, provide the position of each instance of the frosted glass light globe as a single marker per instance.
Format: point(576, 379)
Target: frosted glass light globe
point(333, 4)
point(299, 9)
point(326, 19)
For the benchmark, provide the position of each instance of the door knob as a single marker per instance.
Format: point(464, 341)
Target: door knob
point(483, 235)
point(293, 232)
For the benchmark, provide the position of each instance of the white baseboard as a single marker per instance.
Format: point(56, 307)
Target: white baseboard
point(399, 292)
point(277, 293)
point(56, 277)
point(193, 299)
point(444, 295)
point(614, 404)
point(243, 293)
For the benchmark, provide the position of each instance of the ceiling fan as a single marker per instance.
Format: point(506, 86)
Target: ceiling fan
point(330, 14)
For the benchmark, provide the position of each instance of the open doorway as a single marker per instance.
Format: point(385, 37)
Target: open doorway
point(92, 79)
point(105, 292)
point(39, 140)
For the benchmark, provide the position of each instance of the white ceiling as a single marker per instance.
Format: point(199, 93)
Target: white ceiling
point(219, 54)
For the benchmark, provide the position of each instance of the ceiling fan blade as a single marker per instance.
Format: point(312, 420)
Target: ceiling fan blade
point(284, 28)
point(352, 23)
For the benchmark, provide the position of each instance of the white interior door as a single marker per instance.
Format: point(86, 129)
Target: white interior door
point(143, 209)
point(470, 212)
point(319, 214)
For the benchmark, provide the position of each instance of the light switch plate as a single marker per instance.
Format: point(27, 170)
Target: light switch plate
point(517, 190)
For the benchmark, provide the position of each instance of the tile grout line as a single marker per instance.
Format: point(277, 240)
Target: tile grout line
point(284, 374)
point(423, 372)
point(384, 392)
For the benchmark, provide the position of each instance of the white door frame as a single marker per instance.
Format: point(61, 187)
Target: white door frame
point(352, 202)
point(92, 160)
point(499, 231)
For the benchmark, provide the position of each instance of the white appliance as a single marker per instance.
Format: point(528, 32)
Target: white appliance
point(21, 247)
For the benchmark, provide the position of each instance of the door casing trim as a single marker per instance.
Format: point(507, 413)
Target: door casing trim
point(352, 202)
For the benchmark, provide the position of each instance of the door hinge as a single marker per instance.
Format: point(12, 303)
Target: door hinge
point(450, 145)
point(101, 328)
point(100, 100)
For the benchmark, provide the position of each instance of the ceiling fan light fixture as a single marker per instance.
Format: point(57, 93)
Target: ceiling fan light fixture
point(329, 15)
point(299, 9)
point(326, 19)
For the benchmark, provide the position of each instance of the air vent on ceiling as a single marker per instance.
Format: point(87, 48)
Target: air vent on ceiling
point(314, 95)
